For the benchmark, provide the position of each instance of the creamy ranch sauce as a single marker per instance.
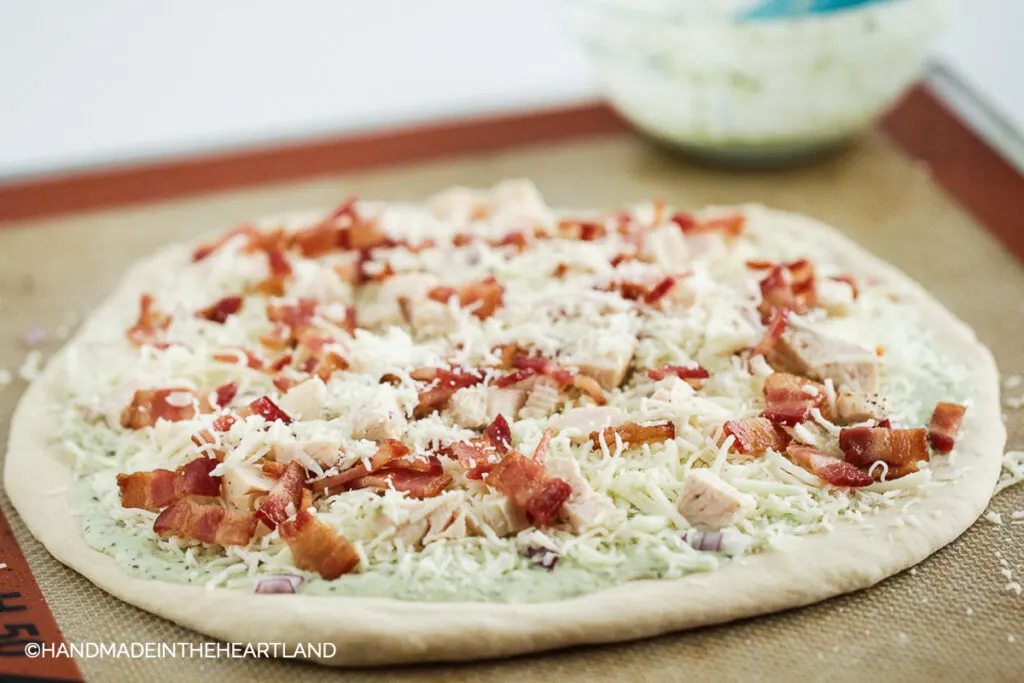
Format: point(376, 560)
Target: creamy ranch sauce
point(687, 73)
point(917, 372)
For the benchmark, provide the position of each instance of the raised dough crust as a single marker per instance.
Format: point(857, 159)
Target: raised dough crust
point(378, 631)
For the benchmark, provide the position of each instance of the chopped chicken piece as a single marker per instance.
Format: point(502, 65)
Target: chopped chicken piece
point(859, 406)
point(667, 247)
point(379, 419)
point(498, 514)
point(477, 406)
point(586, 508)
point(543, 399)
point(390, 302)
point(709, 502)
point(835, 296)
point(244, 484)
point(305, 401)
point(606, 360)
point(805, 351)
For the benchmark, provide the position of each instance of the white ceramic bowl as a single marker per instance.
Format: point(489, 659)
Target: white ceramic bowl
point(693, 74)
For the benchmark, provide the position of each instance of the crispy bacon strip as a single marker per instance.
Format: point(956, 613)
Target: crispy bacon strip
point(528, 366)
point(900, 449)
point(150, 323)
point(660, 290)
point(266, 408)
point(756, 435)
point(173, 404)
point(329, 364)
point(827, 467)
point(317, 547)
point(444, 384)
point(499, 434)
point(221, 310)
point(484, 297)
point(287, 491)
point(204, 250)
point(387, 452)
point(477, 456)
point(411, 482)
point(730, 226)
point(542, 446)
point(944, 425)
point(209, 523)
point(694, 375)
point(225, 393)
point(775, 328)
point(252, 361)
point(789, 286)
point(280, 271)
point(157, 489)
point(789, 399)
point(529, 487)
point(633, 434)
point(151, 491)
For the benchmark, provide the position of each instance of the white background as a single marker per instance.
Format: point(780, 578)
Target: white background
point(92, 82)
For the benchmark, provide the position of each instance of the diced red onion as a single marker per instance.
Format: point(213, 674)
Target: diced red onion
point(542, 556)
point(278, 583)
point(705, 540)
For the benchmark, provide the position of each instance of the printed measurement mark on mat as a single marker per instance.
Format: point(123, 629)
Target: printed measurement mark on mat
point(26, 618)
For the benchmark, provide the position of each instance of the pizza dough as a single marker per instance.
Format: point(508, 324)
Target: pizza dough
point(377, 631)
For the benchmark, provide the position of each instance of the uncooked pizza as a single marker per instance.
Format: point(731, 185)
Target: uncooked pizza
point(480, 426)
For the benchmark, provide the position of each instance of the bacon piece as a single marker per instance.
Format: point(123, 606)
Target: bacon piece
point(477, 456)
point(294, 315)
point(544, 366)
point(529, 487)
point(591, 387)
point(252, 361)
point(287, 491)
point(828, 468)
point(317, 547)
point(693, 374)
point(774, 330)
point(150, 323)
point(266, 408)
point(633, 434)
point(499, 434)
point(147, 490)
point(280, 271)
point(848, 279)
point(790, 286)
point(542, 446)
point(329, 364)
point(224, 422)
point(221, 310)
point(730, 226)
point(387, 452)
point(900, 449)
point(944, 425)
point(428, 465)
point(225, 393)
point(789, 399)
point(484, 297)
point(444, 385)
point(414, 484)
point(157, 489)
point(204, 250)
point(209, 523)
point(756, 435)
point(174, 405)
point(658, 291)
